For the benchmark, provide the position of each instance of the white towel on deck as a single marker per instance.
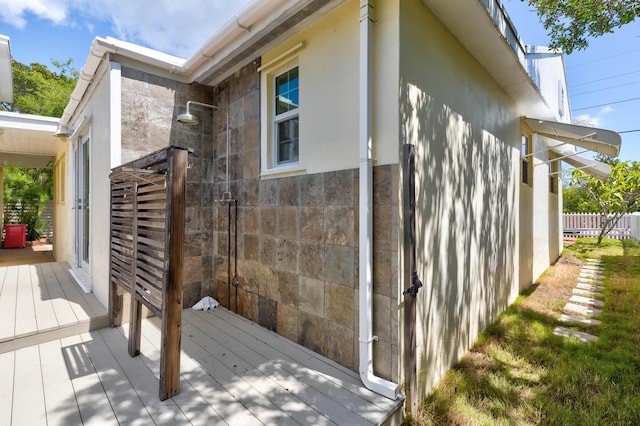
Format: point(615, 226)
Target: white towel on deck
point(206, 303)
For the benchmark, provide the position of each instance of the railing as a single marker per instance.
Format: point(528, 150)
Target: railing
point(590, 224)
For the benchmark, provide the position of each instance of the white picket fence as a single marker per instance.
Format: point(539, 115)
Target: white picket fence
point(589, 225)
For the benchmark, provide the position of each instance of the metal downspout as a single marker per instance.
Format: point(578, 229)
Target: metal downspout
point(369, 379)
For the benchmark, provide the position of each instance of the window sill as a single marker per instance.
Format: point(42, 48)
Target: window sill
point(282, 171)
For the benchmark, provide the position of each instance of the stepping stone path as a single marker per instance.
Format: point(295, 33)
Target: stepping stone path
point(584, 303)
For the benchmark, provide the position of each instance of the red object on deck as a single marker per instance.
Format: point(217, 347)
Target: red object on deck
point(15, 236)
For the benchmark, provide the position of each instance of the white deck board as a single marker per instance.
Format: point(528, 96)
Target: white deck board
point(71, 293)
point(8, 304)
point(62, 308)
point(25, 311)
point(126, 404)
point(28, 406)
point(88, 390)
point(36, 307)
point(6, 388)
point(247, 376)
point(45, 314)
point(58, 389)
point(318, 394)
point(232, 371)
point(329, 370)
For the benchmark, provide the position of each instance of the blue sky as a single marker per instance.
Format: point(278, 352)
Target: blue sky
point(601, 78)
point(604, 80)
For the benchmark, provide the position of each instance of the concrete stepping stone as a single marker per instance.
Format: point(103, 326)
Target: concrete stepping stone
point(589, 280)
point(595, 279)
point(587, 293)
point(565, 332)
point(584, 273)
point(594, 268)
point(579, 320)
point(589, 287)
point(586, 301)
point(593, 261)
point(586, 311)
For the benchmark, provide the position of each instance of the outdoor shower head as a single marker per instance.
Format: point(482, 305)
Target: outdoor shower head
point(190, 119)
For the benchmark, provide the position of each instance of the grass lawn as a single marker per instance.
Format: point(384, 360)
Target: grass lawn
point(520, 373)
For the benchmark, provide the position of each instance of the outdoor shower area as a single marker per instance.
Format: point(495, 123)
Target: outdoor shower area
point(281, 251)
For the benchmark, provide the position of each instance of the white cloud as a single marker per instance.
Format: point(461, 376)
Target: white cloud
point(597, 120)
point(175, 27)
point(13, 12)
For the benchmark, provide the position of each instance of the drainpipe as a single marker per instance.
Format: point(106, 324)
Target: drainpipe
point(369, 379)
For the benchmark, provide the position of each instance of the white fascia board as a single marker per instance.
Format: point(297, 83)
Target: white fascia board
point(14, 120)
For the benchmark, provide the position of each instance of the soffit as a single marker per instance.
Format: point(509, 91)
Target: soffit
point(27, 140)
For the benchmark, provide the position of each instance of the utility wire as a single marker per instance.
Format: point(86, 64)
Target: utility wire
point(604, 88)
point(604, 78)
point(604, 58)
point(608, 103)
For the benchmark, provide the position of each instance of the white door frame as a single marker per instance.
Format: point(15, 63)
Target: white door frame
point(81, 205)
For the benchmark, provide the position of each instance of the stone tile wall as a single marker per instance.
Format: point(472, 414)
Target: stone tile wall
point(297, 251)
point(150, 105)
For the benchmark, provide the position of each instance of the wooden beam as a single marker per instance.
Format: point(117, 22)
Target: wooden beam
point(172, 306)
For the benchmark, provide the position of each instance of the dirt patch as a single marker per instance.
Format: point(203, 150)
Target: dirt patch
point(553, 289)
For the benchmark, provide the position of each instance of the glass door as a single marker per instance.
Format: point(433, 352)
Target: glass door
point(82, 205)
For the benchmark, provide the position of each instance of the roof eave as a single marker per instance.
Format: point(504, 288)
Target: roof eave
point(484, 28)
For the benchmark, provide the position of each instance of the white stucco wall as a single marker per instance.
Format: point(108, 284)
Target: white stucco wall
point(547, 69)
point(467, 136)
point(61, 205)
point(329, 89)
point(94, 121)
point(546, 213)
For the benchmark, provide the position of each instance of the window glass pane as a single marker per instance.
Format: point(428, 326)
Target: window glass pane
point(287, 140)
point(287, 91)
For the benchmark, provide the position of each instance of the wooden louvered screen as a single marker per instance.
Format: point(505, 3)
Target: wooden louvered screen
point(147, 251)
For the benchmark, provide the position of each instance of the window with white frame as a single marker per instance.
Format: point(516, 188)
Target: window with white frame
point(525, 154)
point(554, 170)
point(286, 119)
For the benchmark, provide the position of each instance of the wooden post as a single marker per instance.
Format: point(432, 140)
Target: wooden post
point(172, 304)
point(408, 207)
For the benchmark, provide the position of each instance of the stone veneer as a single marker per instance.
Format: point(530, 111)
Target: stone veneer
point(297, 236)
point(150, 105)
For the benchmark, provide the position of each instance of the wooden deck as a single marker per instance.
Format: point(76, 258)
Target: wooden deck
point(40, 302)
point(232, 372)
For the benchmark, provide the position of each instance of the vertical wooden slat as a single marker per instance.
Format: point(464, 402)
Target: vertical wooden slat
point(135, 320)
point(115, 297)
point(172, 304)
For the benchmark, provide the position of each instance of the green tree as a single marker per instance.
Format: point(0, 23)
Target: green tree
point(40, 91)
point(576, 199)
point(26, 191)
point(615, 197)
point(572, 22)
